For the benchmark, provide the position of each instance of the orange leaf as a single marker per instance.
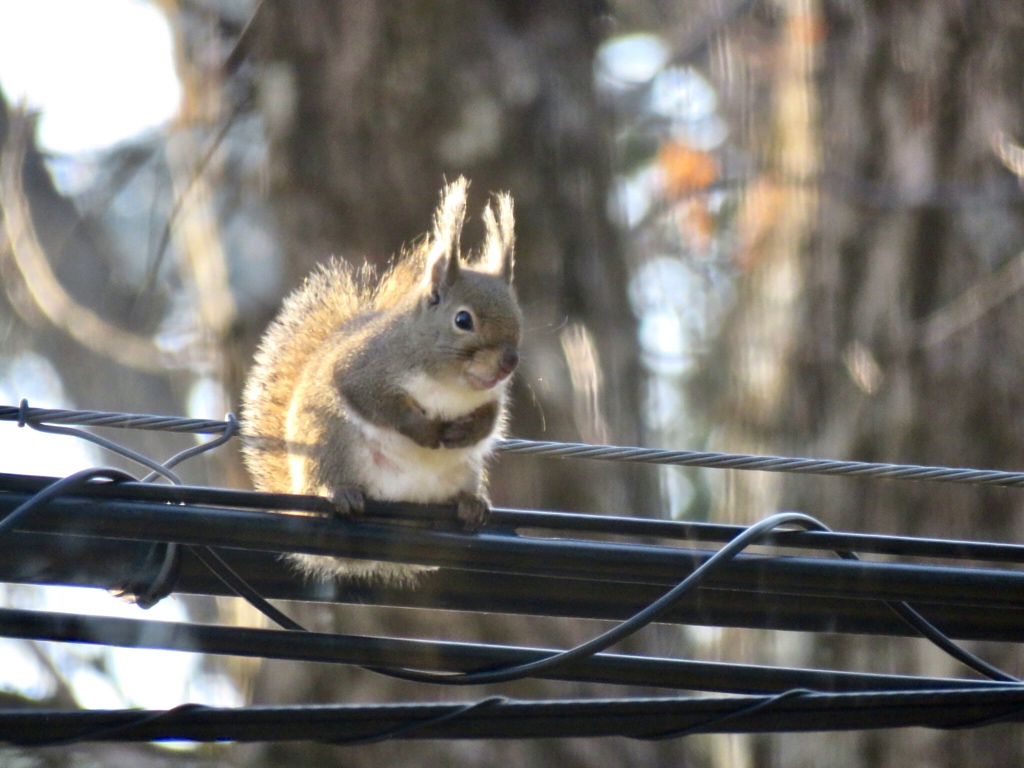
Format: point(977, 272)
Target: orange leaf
point(685, 169)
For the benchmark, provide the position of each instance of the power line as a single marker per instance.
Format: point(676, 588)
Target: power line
point(561, 522)
point(498, 717)
point(559, 450)
point(440, 656)
point(498, 551)
point(78, 508)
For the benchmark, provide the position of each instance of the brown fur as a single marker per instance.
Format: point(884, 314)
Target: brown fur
point(338, 373)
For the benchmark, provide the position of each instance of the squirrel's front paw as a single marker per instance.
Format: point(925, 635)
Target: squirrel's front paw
point(469, 429)
point(348, 500)
point(460, 433)
point(472, 511)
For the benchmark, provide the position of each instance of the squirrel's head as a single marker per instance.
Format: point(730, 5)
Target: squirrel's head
point(469, 311)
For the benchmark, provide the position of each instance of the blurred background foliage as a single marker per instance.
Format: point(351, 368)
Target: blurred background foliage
point(779, 226)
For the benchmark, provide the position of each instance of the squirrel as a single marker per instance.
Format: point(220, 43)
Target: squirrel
point(394, 389)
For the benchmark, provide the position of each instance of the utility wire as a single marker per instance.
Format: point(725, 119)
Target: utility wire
point(626, 628)
point(602, 564)
point(558, 450)
point(497, 717)
point(762, 463)
point(564, 523)
point(46, 420)
point(448, 656)
point(178, 527)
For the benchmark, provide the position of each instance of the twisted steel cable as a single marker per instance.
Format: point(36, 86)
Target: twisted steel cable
point(110, 419)
point(964, 476)
point(763, 463)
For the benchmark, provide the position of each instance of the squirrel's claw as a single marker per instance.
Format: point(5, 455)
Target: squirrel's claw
point(471, 511)
point(348, 501)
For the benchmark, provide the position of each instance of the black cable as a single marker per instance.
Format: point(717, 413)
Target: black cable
point(938, 638)
point(404, 730)
point(60, 487)
point(648, 615)
point(108, 732)
point(147, 592)
point(195, 450)
point(642, 618)
point(209, 557)
point(492, 718)
point(589, 648)
point(618, 633)
point(918, 623)
point(362, 651)
point(623, 630)
point(240, 587)
point(561, 522)
point(738, 714)
point(933, 634)
point(105, 732)
point(163, 582)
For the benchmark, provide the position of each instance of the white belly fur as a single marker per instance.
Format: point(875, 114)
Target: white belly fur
point(448, 401)
point(391, 467)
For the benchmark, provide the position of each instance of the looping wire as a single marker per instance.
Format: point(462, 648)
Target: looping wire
point(156, 576)
point(188, 453)
point(110, 445)
point(150, 587)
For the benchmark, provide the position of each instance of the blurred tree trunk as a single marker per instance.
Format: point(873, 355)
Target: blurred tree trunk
point(369, 107)
point(904, 334)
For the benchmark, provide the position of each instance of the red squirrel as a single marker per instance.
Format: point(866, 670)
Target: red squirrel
point(393, 389)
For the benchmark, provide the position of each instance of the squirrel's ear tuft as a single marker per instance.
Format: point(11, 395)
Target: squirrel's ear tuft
point(443, 251)
point(499, 247)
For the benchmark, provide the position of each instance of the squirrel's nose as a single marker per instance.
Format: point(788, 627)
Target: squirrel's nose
point(509, 360)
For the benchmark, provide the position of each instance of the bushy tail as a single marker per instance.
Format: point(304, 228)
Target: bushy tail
point(329, 298)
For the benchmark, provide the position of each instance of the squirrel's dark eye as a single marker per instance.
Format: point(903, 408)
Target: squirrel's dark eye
point(463, 320)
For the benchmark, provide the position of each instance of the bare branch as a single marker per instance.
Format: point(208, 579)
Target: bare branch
point(77, 321)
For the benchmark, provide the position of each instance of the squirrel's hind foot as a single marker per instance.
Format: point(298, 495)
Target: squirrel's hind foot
point(472, 511)
point(348, 501)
